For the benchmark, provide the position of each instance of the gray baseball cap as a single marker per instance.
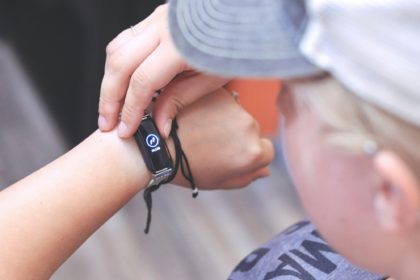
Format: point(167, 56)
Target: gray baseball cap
point(242, 37)
point(371, 47)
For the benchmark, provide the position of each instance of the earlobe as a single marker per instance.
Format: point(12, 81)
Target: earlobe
point(397, 199)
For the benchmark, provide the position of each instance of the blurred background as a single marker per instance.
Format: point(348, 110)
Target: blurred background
point(52, 55)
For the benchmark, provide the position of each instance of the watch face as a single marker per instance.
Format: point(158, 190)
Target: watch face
point(152, 140)
point(152, 146)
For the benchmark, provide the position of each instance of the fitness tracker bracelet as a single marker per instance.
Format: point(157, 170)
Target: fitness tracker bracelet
point(159, 161)
point(154, 151)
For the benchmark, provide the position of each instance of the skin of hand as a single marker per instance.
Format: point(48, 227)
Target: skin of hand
point(140, 61)
point(218, 131)
point(46, 216)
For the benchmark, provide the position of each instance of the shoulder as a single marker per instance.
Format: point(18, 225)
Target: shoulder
point(299, 252)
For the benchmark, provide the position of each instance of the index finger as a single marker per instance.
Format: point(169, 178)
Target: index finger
point(119, 67)
point(156, 71)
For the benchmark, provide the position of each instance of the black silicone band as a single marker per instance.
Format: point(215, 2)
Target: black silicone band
point(152, 146)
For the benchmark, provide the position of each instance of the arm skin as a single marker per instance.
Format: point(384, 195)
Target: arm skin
point(46, 216)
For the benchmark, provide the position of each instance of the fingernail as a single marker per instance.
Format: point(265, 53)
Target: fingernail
point(167, 128)
point(122, 129)
point(102, 122)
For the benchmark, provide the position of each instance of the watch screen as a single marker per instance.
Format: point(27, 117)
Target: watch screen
point(153, 145)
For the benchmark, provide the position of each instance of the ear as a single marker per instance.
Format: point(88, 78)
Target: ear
point(397, 200)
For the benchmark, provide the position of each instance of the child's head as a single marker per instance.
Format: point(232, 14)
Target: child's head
point(356, 168)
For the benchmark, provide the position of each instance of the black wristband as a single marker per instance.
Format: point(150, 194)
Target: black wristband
point(182, 160)
point(154, 150)
point(158, 160)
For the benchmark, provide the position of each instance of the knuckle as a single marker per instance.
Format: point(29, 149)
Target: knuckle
point(112, 45)
point(115, 62)
point(247, 122)
point(256, 126)
point(104, 99)
point(103, 106)
point(140, 82)
point(131, 112)
point(249, 119)
point(252, 124)
point(255, 154)
point(177, 102)
point(181, 65)
point(107, 107)
point(109, 49)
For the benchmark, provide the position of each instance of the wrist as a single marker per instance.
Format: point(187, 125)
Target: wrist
point(129, 165)
point(154, 150)
point(178, 179)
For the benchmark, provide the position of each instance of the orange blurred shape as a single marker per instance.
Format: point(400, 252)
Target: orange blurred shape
point(258, 97)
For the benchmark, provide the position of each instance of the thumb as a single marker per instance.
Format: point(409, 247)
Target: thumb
point(184, 90)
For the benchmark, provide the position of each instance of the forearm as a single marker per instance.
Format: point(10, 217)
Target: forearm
point(45, 217)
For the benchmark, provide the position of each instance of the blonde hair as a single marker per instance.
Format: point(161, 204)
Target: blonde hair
point(350, 121)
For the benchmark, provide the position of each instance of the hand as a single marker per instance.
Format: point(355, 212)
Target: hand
point(222, 143)
point(140, 61)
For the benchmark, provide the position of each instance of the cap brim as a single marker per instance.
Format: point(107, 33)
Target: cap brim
point(242, 38)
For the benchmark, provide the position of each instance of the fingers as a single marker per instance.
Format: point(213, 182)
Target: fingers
point(126, 35)
point(267, 152)
point(140, 61)
point(158, 69)
point(118, 70)
point(181, 92)
point(124, 54)
point(133, 31)
point(259, 169)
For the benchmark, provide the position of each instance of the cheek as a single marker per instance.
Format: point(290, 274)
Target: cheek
point(330, 187)
point(302, 152)
point(305, 165)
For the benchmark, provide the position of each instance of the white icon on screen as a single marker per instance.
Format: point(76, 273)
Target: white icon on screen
point(152, 140)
